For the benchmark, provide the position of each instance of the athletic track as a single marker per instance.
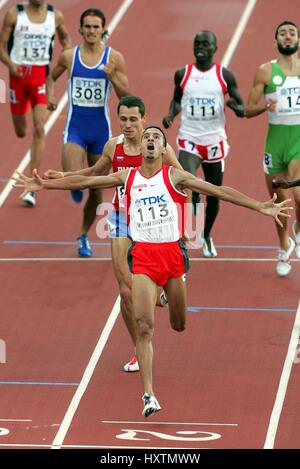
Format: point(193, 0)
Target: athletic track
point(231, 380)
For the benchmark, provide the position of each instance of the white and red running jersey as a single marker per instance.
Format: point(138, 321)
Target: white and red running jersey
point(203, 105)
point(120, 162)
point(155, 208)
point(32, 43)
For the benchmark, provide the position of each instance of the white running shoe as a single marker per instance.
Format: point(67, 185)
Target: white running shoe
point(297, 240)
point(284, 265)
point(131, 366)
point(208, 248)
point(151, 405)
point(29, 199)
point(163, 298)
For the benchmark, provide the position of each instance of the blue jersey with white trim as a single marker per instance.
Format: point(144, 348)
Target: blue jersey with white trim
point(89, 89)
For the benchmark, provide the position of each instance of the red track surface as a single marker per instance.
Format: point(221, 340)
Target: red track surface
point(222, 374)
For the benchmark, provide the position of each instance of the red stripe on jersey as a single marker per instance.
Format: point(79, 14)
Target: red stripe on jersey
point(188, 71)
point(222, 82)
point(128, 186)
point(123, 161)
point(178, 197)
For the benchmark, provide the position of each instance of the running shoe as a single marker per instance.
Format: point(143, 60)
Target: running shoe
point(29, 199)
point(77, 195)
point(284, 266)
point(131, 366)
point(297, 240)
point(84, 247)
point(163, 298)
point(151, 405)
point(208, 248)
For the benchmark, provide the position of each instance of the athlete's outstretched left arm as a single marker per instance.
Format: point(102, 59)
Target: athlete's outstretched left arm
point(115, 70)
point(235, 102)
point(270, 208)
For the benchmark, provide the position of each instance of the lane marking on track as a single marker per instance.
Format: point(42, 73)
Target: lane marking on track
point(38, 383)
point(62, 103)
point(283, 383)
point(238, 32)
point(15, 420)
point(94, 259)
point(196, 309)
point(67, 420)
point(27, 445)
point(107, 243)
point(2, 3)
point(169, 423)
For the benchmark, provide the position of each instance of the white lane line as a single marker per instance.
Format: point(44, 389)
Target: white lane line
point(27, 445)
point(65, 425)
point(15, 420)
point(2, 3)
point(94, 259)
point(283, 383)
point(238, 32)
point(62, 103)
point(169, 423)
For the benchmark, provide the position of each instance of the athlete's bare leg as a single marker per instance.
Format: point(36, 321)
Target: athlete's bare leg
point(20, 124)
point(144, 293)
point(40, 115)
point(294, 173)
point(73, 157)
point(176, 293)
point(93, 200)
point(281, 195)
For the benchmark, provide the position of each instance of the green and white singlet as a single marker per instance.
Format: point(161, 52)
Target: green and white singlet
point(282, 143)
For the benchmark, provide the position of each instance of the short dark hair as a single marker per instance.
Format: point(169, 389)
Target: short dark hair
point(206, 31)
point(93, 12)
point(158, 128)
point(132, 101)
point(283, 24)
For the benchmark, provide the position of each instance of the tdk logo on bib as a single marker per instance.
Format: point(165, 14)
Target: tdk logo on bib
point(203, 101)
point(86, 83)
point(157, 199)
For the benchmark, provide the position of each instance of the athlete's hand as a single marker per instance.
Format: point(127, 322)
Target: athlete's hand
point(33, 184)
point(110, 68)
point(238, 109)
point(51, 104)
point(53, 174)
point(276, 210)
point(167, 122)
point(271, 105)
point(15, 70)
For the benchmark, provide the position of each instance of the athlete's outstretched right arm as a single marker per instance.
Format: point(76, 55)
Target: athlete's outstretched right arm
point(36, 183)
point(100, 168)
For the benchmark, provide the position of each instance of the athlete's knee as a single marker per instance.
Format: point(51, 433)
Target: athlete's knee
point(39, 130)
point(145, 328)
